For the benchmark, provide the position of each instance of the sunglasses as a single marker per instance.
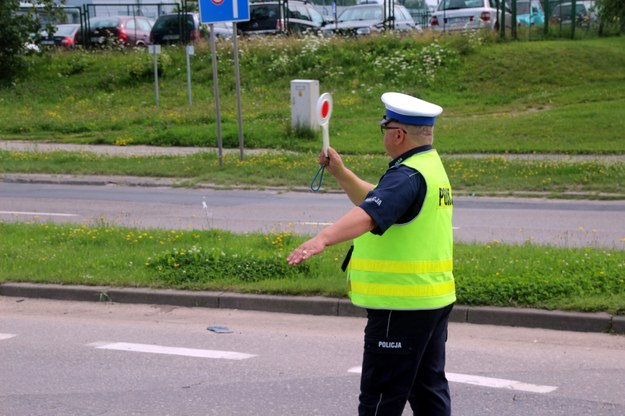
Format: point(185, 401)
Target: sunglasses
point(384, 125)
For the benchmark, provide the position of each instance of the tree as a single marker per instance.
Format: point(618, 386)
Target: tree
point(611, 12)
point(17, 27)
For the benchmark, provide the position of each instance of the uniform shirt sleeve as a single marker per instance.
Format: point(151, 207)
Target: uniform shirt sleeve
point(397, 199)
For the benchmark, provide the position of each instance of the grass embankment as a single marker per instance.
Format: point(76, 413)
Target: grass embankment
point(544, 97)
point(500, 98)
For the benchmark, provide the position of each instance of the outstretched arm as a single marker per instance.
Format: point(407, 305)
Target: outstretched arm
point(351, 225)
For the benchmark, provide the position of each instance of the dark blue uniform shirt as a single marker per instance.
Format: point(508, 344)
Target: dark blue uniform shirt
point(399, 195)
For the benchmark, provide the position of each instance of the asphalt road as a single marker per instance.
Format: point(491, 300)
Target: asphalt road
point(507, 220)
point(84, 358)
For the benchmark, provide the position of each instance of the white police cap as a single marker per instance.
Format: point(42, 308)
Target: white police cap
point(410, 110)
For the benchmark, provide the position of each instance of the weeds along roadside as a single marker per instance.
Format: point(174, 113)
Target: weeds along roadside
point(483, 175)
point(527, 275)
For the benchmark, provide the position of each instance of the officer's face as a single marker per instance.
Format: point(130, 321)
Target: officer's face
point(393, 135)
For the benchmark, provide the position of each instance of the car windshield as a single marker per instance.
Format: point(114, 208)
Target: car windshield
point(361, 13)
point(173, 22)
point(565, 10)
point(524, 7)
point(65, 30)
point(98, 23)
point(460, 4)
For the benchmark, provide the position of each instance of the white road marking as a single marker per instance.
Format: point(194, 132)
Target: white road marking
point(6, 336)
point(43, 214)
point(159, 349)
point(497, 383)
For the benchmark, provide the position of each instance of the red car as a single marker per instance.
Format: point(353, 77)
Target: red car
point(67, 36)
point(119, 30)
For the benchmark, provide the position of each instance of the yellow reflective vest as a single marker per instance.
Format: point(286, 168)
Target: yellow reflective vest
point(410, 266)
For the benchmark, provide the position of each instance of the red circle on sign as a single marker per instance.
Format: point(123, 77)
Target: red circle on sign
point(217, 2)
point(325, 109)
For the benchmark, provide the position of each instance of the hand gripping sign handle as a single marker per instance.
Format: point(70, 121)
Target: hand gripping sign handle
point(324, 111)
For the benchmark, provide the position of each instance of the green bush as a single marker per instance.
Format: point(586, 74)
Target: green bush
point(141, 65)
point(179, 266)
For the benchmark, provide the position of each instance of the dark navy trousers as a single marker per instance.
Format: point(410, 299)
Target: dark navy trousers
point(404, 361)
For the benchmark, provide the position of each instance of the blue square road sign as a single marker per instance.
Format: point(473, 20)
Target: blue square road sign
point(213, 11)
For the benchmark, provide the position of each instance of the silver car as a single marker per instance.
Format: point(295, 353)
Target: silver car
point(365, 19)
point(468, 15)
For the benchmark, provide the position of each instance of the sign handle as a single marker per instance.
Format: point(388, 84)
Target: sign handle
point(326, 138)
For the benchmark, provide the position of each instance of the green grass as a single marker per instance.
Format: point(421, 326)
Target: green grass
point(545, 97)
point(500, 98)
point(527, 275)
point(493, 175)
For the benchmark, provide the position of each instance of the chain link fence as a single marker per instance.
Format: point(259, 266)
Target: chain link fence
point(524, 19)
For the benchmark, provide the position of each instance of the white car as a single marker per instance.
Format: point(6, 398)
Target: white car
point(468, 15)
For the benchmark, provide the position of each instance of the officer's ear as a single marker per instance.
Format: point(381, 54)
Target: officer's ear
point(400, 136)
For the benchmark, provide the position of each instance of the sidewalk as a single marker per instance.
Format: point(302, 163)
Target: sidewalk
point(140, 150)
point(312, 305)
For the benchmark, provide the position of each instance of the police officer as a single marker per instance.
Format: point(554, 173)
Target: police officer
point(400, 265)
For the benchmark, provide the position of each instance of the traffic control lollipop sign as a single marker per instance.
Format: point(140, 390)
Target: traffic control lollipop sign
point(324, 111)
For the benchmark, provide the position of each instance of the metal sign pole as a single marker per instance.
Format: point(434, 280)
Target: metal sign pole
point(235, 45)
point(155, 79)
point(216, 92)
point(190, 51)
point(212, 11)
point(155, 50)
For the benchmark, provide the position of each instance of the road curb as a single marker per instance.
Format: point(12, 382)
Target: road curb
point(312, 305)
point(138, 181)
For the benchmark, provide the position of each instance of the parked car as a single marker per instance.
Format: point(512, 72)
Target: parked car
point(268, 18)
point(223, 30)
point(185, 28)
point(419, 10)
point(529, 13)
point(592, 9)
point(364, 19)
point(174, 28)
point(122, 30)
point(467, 15)
point(561, 14)
point(67, 36)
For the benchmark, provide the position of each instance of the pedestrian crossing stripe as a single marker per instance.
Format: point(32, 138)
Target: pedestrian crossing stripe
point(498, 383)
point(159, 349)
